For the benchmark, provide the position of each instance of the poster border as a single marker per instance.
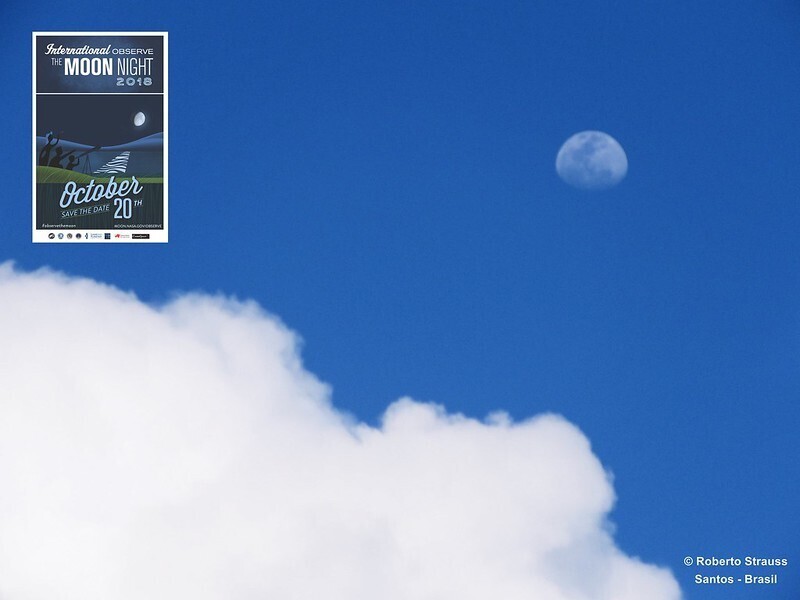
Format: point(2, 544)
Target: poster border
point(156, 235)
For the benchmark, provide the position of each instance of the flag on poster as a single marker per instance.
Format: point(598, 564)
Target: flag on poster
point(100, 137)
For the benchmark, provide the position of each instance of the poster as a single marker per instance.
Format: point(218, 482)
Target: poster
point(100, 137)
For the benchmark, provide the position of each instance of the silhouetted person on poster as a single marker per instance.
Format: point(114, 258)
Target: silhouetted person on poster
point(44, 155)
point(73, 162)
point(56, 160)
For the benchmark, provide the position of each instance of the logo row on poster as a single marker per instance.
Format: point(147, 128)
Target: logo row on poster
point(97, 236)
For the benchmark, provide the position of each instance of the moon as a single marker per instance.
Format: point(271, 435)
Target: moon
point(592, 160)
point(139, 119)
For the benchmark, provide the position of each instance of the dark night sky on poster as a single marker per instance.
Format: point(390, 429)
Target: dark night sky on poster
point(99, 120)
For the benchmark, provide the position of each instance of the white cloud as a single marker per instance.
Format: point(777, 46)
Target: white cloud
point(184, 452)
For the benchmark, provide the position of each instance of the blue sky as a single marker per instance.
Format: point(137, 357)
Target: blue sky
point(381, 176)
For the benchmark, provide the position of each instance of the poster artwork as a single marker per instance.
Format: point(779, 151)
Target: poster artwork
point(99, 137)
